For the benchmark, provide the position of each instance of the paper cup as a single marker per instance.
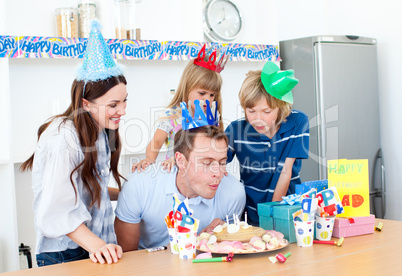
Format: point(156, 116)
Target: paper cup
point(304, 233)
point(324, 227)
point(174, 248)
point(186, 243)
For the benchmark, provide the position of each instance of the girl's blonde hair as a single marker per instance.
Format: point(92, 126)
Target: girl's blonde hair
point(197, 77)
point(252, 90)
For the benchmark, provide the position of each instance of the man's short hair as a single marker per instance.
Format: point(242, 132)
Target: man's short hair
point(184, 139)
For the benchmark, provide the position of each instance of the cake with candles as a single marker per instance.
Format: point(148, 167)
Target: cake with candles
point(239, 237)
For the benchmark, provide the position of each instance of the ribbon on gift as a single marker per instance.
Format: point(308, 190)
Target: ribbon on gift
point(271, 214)
point(291, 199)
point(295, 198)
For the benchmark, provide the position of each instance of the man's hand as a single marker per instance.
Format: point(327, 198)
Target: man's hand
point(212, 225)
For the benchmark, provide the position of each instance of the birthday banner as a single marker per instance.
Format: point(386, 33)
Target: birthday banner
point(351, 179)
point(57, 47)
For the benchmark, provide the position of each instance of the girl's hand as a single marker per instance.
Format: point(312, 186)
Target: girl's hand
point(168, 164)
point(111, 253)
point(142, 165)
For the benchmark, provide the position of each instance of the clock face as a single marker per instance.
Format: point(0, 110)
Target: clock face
point(222, 20)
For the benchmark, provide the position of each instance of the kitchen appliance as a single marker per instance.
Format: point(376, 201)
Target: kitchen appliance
point(338, 90)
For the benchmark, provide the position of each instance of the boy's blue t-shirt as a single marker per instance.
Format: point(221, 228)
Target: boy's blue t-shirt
point(261, 159)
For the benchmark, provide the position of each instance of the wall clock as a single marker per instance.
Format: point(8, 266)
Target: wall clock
point(222, 20)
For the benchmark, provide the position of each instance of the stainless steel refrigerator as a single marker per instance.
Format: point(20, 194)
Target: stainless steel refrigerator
point(338, 90)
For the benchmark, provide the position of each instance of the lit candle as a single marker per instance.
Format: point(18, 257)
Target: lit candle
point(227, 220)
point(245, 217)
point(234, 219)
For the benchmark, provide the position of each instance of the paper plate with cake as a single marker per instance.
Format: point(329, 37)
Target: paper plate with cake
point(240, 238)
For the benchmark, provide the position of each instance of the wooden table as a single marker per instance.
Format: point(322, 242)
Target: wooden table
point(374, 254)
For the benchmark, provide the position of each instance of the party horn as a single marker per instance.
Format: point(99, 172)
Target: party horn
point(282, 258)
point(229, 258)
point(379, 227)
point(337, 243)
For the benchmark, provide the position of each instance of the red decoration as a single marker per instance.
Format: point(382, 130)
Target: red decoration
point(209, 61)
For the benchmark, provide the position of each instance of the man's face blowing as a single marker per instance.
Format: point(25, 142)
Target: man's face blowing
point(202, 172)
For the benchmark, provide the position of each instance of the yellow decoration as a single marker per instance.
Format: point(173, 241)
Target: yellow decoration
point(307, 240)
point(351, 179)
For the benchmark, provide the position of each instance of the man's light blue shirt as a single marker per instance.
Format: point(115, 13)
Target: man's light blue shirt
point(147, 197)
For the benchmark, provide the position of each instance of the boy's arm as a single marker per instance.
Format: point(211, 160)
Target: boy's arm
point(128, 234)
point(284, 180)
point(231, 151)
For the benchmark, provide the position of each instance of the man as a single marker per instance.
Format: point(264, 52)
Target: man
point(146, 199)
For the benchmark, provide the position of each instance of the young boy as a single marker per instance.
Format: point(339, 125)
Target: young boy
point(272, 138)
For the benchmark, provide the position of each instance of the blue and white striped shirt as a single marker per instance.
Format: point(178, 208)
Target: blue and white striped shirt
point(261, 159)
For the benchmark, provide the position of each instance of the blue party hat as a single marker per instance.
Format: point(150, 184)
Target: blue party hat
point(201, 117)
point(98, 61)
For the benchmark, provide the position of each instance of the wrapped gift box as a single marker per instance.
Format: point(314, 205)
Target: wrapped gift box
point(307, 186)
point(278, 217)
point(349, 227)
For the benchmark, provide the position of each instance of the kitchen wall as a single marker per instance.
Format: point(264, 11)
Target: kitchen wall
point(45, 98)
point(266, 22)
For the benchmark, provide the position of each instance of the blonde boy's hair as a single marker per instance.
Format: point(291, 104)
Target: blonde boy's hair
point(197, 77)
point(252, 90)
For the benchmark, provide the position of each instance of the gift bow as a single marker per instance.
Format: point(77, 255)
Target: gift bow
point(291, 199)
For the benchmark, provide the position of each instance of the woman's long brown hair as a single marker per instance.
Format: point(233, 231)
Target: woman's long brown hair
point(88, 132)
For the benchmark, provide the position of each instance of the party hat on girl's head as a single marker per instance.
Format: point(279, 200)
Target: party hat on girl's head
point(207, 58)
point(98, 61)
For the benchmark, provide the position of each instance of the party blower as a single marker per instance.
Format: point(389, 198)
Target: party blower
point(229, 258)
point(279, 258)
point(337, 243)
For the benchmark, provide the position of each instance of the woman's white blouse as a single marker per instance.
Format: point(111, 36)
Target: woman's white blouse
point(57, 209)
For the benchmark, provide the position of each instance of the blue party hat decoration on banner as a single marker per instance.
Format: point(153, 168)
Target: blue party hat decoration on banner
point(98, 61)
point(201, 118)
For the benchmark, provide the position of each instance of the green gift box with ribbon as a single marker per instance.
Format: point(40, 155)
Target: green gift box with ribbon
point(278, 217)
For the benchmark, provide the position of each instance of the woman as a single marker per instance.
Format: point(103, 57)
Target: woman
point(71, 165)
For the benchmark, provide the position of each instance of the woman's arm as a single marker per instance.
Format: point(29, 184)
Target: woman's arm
point(98, 250)
point(152, 151)
point(284, 180)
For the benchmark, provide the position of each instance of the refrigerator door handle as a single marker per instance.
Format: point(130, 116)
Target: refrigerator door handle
point(383, 194)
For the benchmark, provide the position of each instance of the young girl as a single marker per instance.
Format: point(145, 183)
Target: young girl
point(271, 140)
point(71, 165)
point(197, 83)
